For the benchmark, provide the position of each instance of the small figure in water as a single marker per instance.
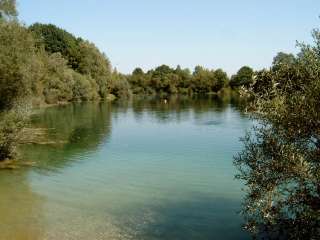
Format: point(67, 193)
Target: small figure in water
point(165, 101)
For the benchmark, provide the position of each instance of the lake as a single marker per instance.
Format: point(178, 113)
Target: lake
point(141, 169)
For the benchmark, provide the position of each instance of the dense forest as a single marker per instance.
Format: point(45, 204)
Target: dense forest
point(165, 80)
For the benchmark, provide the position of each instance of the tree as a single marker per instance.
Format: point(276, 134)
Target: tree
point(244, 77)
point(184, 80)
point(57, 40)
point(95, 64)
point(284, 58)
point(8, 9)
point(119, 86)
point(82, 56)
point(165, 80)
point(280, 163)
point(58, 80)
point(19, 63)
point(45, 64)
point(137, 71)
point(221, 80)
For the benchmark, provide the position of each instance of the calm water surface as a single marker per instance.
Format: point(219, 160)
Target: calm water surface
point(139, 170)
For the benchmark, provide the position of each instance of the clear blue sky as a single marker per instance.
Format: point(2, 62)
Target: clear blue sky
point(216, 34)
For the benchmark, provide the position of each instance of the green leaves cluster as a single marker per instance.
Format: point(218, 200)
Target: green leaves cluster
point(244, 77)
point(11, 124)
point(18, 63)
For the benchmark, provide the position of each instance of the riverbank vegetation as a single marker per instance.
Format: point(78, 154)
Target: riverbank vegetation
point(43, 64)
point(280, 162)
point(165, 80)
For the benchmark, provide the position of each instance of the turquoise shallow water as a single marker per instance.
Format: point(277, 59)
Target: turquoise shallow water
point(131, 170)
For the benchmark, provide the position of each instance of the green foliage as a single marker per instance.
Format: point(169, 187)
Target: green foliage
point(11, 124)
point(82, 56)
point(84, 88)
point(164, 80)
point(206, 81)
point(57, 40)
point(280, 162)
point(18, 63)
point(244, 77)
point(8, 9)
point(58, 81)
point(283, 59)
point(95, 64)
point(119, 86)
point(140, 82)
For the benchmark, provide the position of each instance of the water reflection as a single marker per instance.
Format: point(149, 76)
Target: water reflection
point(74, 130)
point(143, 169)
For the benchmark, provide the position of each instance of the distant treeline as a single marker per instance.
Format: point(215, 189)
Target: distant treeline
point(166, 80)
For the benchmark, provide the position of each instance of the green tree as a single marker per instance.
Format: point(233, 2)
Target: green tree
point(58, 81)
point(11, 123)
point(119, 85)
point(82, 56)
point(280, 162)
point(221, 80)
point(184, 80)
point(84, 88)
point(244, 77)
point(8, 9)
point(95, 64)
point(283, 59)
point(18, 63)
point(57, 40)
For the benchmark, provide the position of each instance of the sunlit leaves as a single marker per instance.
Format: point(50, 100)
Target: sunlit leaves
point(281, 158)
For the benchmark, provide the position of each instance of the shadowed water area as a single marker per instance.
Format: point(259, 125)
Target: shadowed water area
point(143, 169)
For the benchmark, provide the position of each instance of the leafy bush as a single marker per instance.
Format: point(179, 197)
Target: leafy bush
point(84, 88)
point(58, 81)
point(18, 65)
point(11, 124)
point(96, 65)
point(119, 86)
point(280, 162)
